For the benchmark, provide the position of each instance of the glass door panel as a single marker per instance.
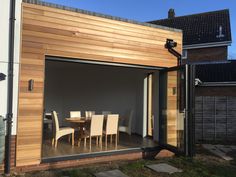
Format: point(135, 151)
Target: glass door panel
point(172, 108)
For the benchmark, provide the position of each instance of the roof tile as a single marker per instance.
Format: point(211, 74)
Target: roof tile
point(201, 28)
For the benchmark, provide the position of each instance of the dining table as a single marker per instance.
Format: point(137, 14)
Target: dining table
point(79, 122)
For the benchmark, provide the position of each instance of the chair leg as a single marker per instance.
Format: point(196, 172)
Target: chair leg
point(111, 139)
point(118, 136)
point(79, 140)
point(116, 140)
point(90, 143)
point(101, 141)
point(56, 143)
point(97, 140)
point(85, 141)
point(106, 140)
point(73, 139)
point(53, 141)
point(69, 136)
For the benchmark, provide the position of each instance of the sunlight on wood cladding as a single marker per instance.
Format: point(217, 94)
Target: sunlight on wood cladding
point(172, 108)
point(56, 32)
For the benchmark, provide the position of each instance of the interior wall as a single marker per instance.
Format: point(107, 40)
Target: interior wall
point(74, 86)
point(156, 104)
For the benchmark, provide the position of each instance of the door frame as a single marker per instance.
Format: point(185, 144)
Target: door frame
point(189, 96)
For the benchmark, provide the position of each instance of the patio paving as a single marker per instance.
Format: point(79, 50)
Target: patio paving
point(164, 168)
point(220, 150)
point(111, 173)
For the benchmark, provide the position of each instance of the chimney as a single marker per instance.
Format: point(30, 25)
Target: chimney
point(171, 13)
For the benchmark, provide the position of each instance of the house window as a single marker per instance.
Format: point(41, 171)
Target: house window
point(185, 54)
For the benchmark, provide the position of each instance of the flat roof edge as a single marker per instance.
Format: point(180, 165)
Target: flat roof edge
point(72, 9)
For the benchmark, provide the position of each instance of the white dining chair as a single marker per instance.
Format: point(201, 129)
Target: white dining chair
point(111, 127)
point(126, 128)
point(75, 114)
point(89, 114)
point(96, 130)
point(59, 132)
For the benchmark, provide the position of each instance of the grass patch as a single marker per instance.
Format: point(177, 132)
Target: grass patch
point(203, 165)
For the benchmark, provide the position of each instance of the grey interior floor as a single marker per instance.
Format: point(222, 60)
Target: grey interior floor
point(65, 148)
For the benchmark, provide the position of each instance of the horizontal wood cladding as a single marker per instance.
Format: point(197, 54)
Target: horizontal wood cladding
point(56, 32)
point(90, 37)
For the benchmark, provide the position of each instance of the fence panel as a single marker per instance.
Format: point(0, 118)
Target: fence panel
point(215, 118)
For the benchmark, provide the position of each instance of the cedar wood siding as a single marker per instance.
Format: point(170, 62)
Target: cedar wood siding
point(56, 32)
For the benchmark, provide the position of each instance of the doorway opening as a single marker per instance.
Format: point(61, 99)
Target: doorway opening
point(101, 90)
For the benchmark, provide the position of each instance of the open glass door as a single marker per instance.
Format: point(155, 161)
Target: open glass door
point(174, 108)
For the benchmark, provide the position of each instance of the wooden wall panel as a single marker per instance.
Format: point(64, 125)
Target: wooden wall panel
point(172, 108)
point(56, 32)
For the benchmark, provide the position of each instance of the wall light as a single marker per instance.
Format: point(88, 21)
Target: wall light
point(31, 85)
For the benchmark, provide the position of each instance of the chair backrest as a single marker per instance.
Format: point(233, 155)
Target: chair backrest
point(112, 124)
point(75, 114)
point(55, 121)
point(89, 114)
point(96, 125)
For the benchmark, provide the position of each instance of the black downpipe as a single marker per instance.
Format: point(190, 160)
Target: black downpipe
point(191, 112)
point(177, 54)
point(10, 87)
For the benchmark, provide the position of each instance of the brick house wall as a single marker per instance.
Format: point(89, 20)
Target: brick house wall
point(207, 54)
point(13, 154)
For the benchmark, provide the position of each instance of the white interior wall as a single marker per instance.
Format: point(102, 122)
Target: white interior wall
point(156, 104)
point(73, 86)
point(4, 58)
point(145, 107)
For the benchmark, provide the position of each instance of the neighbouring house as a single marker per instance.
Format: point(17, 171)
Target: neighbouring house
point(81, 70)
point(215, 110)
point(206, 36)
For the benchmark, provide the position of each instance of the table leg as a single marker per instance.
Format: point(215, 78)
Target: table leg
point(80, 133)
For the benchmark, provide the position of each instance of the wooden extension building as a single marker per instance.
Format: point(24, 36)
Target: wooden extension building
point(75, 60)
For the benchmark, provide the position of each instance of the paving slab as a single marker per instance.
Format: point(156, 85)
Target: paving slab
point(225, 149)
point(219, 145)
point(233, 147)
point(111, 173)
point(164, 168)
point(213, 149)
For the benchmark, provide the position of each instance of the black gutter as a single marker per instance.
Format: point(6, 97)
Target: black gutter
point(170, 45)
point(10, 87)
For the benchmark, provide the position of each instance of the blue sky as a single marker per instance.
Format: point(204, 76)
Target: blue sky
point(146, 10)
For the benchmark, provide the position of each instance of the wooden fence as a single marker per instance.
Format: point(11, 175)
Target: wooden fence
point(215, 118)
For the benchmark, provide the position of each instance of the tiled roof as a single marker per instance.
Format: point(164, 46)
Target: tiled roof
point(48, 4)
point(201, 28)
point(220, 72)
